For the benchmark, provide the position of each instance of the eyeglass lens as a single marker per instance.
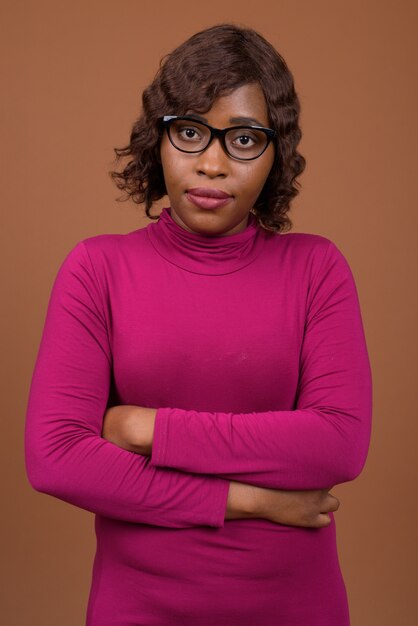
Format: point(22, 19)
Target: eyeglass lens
point(242, 143)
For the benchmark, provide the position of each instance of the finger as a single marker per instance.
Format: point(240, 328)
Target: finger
point(334, 504)
point(324, 520)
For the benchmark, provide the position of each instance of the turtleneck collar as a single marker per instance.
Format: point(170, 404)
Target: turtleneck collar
point(203, 254)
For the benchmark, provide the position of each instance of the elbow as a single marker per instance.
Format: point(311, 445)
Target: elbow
point(351, 470)
point(44, 469)
point(349, 463)
point(41, 476)
point(347, 449)
point(335, 472)
point(53, 464)
point(37, 483)
point(49, 478)
point(41, 461)
point(354, 455)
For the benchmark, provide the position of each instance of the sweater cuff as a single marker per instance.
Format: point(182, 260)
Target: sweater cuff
point(159, 440)
point(213, 506)
point(217, 511)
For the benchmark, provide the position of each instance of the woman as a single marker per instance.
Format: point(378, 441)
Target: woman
point(202, 383)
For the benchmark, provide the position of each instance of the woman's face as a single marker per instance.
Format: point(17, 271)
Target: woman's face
point(214, 169)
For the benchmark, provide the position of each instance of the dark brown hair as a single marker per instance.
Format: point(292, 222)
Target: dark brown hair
point(208, 65)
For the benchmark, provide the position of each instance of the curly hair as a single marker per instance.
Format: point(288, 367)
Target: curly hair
point(206, 66)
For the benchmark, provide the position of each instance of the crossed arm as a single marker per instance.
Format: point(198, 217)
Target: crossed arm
point(65, 453)
point(322, 442)
point(70, 454)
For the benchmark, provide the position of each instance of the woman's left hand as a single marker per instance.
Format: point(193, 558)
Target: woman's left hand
point(130, 427)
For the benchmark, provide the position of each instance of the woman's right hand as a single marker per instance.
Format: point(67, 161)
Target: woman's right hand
point(306, 508)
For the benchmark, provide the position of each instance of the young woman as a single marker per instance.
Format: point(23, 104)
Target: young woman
point(202, 383)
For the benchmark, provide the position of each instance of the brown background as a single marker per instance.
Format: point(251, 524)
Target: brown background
point(73, 75)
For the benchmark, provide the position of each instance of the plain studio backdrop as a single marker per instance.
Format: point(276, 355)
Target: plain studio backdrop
point(73, 74)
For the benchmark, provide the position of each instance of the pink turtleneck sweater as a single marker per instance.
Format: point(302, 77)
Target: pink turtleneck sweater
point(251, 346)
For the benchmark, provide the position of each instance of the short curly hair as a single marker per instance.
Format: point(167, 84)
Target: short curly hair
point(206, 66)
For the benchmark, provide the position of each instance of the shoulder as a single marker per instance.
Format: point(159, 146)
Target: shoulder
point(106, 248)
point(95, 262)
point(308, 251)
point(327, 272)
point(304, 242)
point(114, 244)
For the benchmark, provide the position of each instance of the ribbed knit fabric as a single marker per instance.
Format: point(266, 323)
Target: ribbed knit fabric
point(251, 346)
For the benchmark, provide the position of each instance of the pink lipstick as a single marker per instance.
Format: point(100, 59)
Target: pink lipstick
point(207, 198)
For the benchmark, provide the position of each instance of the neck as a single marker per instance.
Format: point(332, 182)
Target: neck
point(203, 254)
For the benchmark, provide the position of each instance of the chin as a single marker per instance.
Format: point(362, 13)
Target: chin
point(200, 220)
point(207, 228)
point(209, 222)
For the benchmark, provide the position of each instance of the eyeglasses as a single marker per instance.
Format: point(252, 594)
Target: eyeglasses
point(239, 142)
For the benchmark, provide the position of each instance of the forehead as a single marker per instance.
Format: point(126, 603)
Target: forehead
point(245, 104)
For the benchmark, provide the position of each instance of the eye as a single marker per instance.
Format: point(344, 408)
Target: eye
point(188, 133)
point(244, 140)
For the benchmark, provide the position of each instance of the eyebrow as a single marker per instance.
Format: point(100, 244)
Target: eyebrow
point(234, 120)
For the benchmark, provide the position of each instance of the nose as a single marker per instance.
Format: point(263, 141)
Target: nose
point(213, 162)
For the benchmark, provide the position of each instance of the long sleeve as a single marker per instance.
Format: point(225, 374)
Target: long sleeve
point(66, 456)
point(324, 440)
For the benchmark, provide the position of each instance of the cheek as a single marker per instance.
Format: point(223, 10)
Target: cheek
point(257, 178)
point(166, 159)
point(265, 171)
point(172, 166)
point(258, 172)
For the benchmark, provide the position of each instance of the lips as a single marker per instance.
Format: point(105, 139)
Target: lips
point(207, 192)
point(207, 198)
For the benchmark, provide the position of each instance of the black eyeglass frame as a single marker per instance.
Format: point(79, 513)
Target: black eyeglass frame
point(166, 121)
